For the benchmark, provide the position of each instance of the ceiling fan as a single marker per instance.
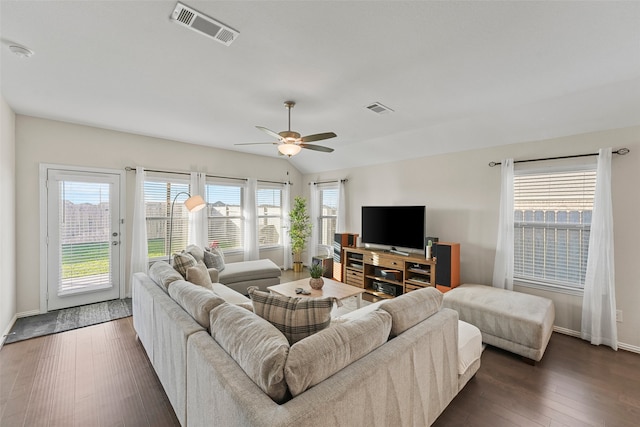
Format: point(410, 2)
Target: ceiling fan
point(290, 142)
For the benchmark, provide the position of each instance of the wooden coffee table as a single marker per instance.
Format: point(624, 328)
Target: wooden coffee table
point(331, 288)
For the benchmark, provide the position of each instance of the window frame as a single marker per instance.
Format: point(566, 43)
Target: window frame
point(259, 217)
point(550, 284)
point(241, 185)
point(320, 220)
point(166, 178)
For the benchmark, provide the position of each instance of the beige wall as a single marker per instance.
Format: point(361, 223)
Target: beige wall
point(7, 218)
point(45, 141)
point(462, 196)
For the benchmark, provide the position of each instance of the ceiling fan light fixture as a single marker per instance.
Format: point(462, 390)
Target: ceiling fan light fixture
point(289, 149)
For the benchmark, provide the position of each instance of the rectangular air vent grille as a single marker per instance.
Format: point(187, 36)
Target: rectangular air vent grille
point(203, 24)
point(377, 107)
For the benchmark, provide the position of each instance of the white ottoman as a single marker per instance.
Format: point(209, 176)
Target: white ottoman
point(514, 321)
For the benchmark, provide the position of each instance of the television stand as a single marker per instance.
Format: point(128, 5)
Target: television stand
point(386, 274)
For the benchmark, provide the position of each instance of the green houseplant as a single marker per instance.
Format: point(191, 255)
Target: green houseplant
point(299, 230)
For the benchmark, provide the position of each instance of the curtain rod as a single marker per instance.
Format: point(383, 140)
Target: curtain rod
point(621, 151)
point(328, 182)
point(129, 168)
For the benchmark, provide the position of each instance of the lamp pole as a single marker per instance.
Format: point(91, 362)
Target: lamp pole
point(171, 223)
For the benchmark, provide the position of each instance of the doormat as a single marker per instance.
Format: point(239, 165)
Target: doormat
point(68, 319)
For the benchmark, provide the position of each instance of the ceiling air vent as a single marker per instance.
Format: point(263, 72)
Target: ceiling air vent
point(377, 107)
point(191, 18)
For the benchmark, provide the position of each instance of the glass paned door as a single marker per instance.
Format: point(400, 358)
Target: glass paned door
point(83, 234)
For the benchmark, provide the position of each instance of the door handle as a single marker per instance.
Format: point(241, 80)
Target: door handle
point(115, 243)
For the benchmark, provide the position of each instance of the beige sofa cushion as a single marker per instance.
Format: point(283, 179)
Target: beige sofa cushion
point(249, 270)
point(316, 358)
point(411, 308)
point(229, 295)
point(199, 275)
point(163, 274)
point(256, 345)
point(295, 317)
point(195, 300)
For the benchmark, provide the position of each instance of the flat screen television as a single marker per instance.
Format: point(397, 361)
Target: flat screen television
point(395, 226)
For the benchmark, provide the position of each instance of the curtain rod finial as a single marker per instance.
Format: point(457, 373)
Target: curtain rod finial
point(492, 164)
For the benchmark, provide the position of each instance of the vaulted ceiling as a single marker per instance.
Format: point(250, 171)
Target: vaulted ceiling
point(458, 75)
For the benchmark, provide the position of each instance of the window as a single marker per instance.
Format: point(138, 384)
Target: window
point(224, 215)
point(552, 220)
point(269, 200)
point(328, 204)
point(159, 192)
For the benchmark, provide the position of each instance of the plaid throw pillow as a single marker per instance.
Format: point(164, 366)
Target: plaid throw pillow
point(183, 261)
point(296, 318)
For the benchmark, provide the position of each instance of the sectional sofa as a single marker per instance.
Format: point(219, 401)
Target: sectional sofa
point(396, 363)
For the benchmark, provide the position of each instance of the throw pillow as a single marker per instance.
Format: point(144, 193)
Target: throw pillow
point(318, 357)
point(214, 258)
point(409, 309)
point(199, 275)
point(256, 345)
point(295, 317)
point(182, 261)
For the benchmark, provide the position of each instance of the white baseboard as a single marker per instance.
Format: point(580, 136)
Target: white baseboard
point(621, 345)
point(6, 331)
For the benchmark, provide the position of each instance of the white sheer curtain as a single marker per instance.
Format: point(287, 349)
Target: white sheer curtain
point(314, 214)
point(503, 264)
point(251, 250)
point(139, 250)
point(341, 221)
point(198, 219)
point(286, 223)
point(599, 300)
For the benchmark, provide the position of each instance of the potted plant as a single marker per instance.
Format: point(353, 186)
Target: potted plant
point(316, 271)
point(299, 231)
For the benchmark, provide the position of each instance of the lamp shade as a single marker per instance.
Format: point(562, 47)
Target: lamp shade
point(194, 203)
point(289, 149)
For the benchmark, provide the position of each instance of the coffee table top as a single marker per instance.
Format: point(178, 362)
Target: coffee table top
point(331, 289)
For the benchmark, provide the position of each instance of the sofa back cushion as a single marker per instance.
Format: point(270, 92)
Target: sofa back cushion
point(199, 275)
point(411, 308)
point(296, 318)
point(163, 274)
point(316, 358)
point(195, 300)
point(256, 345)
point(196, 252)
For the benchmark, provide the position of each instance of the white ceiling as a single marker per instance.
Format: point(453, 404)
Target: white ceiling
point(459, 75)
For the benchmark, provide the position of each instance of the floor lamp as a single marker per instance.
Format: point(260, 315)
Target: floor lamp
point(193, 204)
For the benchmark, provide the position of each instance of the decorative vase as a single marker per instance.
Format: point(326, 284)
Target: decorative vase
point(297, 267)
point(316, 283)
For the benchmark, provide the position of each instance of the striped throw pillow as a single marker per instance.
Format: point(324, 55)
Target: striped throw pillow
point(295, 317)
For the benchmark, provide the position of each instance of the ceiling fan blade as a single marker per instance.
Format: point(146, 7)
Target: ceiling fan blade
point(318, 137)
point(270, 132)
point(317, 148)
point(257, 143)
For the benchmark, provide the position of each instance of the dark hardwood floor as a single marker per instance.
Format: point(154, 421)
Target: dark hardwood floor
point(100, 375)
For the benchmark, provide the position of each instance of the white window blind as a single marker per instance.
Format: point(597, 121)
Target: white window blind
point(269, 201)
point(85, 235)
point(552, 220)
point(328, 203)
point(159, 192)
point(224, 215)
